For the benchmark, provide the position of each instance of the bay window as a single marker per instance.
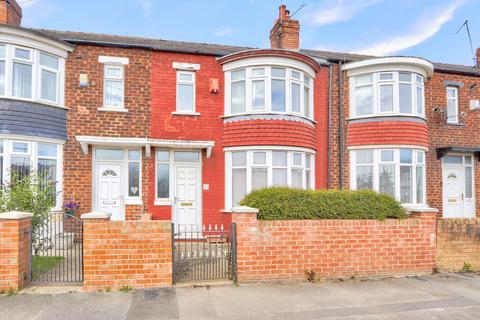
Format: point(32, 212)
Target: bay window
point(30, 74)
point(387, 93)
point(21, 158)
point(269, 89)
point(396, 172)
point(253, 169)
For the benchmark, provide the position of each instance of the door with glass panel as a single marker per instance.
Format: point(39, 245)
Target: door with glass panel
point(458, 187)
point(187, 210)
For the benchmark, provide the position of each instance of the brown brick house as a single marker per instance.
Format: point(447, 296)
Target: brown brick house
point(184, 130)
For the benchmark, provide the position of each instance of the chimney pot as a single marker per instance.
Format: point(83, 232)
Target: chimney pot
point(10, 12)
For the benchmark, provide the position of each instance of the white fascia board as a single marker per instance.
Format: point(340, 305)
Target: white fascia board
point(270, 61)
point(410, 64)
point(34, 40)
point(113, 60)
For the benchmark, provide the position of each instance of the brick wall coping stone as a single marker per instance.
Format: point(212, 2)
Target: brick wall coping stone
point(15, 215)
point(420, 209)
point(96, 215)
point(244, 209)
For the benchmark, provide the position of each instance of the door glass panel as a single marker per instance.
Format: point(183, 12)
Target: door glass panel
point(186, 156)
point(468, 183)
point(452, 159)
point(163, 180)
point(109, 154)
point(133, 179)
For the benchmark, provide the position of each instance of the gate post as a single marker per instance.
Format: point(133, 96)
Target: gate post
point(15, 236)
point(234, 252)
point(173, 252)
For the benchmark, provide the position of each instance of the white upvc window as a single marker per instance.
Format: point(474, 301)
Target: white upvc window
point(253, 169)
point(397, 172)
point(113, 86)
point(21, 157)
point(134, 160)
point(185, 92)
point(387, 93)
point(452, 105)
point(269, 89)
point(31, 74)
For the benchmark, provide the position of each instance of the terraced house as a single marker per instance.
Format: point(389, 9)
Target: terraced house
point(185, 130)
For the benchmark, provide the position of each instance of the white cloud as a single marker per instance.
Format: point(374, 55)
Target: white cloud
point(227, 31)
point(145, 5)
point(425, 27)
point(332, 11)
point(25, 4)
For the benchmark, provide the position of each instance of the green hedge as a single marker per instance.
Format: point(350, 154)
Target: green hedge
point(295, 204)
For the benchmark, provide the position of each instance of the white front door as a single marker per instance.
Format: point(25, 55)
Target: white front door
point(109, 190)
point(458, 194)
point(187, 214)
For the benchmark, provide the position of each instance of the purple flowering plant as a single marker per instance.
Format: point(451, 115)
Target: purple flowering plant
point(71, 206)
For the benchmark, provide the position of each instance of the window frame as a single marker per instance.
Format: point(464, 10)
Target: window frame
point(193, 83)
point(454, 119)
point(139, 162)
point(397, 164)
point(267, 78)
point(33, 157)
point(249, 166)
point(120, 79)
point(376, 85)
point(36, 82)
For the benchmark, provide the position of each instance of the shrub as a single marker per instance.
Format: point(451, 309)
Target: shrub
point(294, 204)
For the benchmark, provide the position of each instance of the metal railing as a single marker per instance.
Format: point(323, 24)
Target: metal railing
point(57, 250)
point(206, 253)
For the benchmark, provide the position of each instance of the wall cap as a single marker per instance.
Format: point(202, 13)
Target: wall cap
point(15, 215)
point(244, 209)
point(96, 215)
point(420, 209)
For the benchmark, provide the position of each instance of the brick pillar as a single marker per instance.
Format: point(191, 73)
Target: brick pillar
point(428, 219)
point(94, 223)
point(246, 222)
point(15, 231)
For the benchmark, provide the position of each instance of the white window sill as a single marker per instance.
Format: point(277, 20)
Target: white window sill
point(113, 109)
point(135, 202)
point(179, 113)
point(162, 202)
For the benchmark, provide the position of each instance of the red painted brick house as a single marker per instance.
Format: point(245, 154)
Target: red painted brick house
point(184, 130)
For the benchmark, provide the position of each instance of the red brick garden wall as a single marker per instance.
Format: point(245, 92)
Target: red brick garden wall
point(14, 253)
point(458, 242)
point(284, 250)
point(121, 253)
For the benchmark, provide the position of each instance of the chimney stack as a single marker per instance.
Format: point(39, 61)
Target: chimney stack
point(285, 33)
point(10, 12)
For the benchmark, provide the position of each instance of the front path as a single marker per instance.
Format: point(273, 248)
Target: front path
point(431, 297)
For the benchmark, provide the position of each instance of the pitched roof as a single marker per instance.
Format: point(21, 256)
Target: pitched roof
point(216, 49)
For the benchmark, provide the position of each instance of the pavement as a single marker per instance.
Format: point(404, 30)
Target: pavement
point(444, 296)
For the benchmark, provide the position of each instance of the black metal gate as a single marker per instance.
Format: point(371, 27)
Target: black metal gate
point(207, 253)
point(57, 250)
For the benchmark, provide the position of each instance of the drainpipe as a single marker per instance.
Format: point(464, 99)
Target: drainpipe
point(340, 122)
point(329, 146)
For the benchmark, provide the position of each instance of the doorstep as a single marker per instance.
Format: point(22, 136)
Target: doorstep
point(51, 289)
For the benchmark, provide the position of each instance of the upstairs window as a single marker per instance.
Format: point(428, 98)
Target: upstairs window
point(452, 105)
point(30, 74)
point(387, 93)
point(185, 92)
point(269, 89)
point(113, 93)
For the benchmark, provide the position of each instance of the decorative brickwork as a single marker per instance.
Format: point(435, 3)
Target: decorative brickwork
point(133, 253)
point(458, 242)
point(284, 250)
point(14, 251)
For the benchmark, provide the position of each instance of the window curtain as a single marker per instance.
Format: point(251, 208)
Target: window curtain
point(22, 80)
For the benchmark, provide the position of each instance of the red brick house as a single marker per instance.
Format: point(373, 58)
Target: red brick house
point(184, 130)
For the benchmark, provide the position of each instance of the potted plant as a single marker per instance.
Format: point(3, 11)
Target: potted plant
point(71, 207)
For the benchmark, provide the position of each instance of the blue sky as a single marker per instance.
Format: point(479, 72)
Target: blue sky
point(386, 27)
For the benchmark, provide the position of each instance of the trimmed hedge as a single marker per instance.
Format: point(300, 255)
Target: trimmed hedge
point(296, 204)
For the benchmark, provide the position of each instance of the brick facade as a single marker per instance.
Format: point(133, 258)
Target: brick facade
point(284, 250)
point(10, 12)
point(121, 253)
point(285, 33)
point(458, 242)
point(14, 252)
point(85, 118)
